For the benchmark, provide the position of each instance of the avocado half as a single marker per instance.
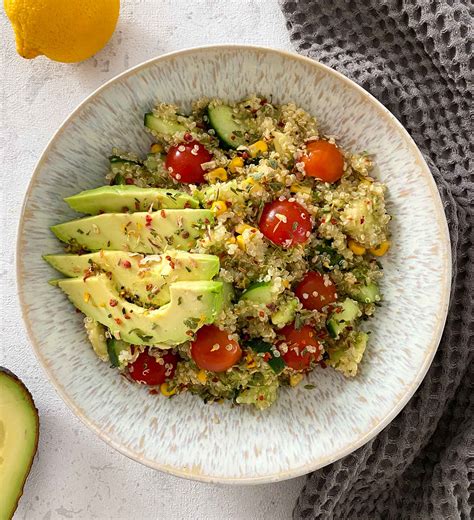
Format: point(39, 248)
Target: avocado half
point(19, 431)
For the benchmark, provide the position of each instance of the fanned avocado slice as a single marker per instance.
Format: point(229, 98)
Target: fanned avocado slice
point(137, 232)
point(19, 431)
point(192, 305)
point(146, 278)
point(124, 198)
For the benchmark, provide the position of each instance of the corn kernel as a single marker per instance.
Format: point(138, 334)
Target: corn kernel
point(202, 377)
point(251, 363)
point(219, 174)
point(219, 207)
point(164, 389)
point(156, 148)
point(236, 162)
point(298, 188)
point(87, 297)
point(286, 284)
point(254, 185)
point(240, 242)
point(295, 379)
point(240, 228)
point(355, 247)
point(381, 249)
point(231, 240)
point(258, 148)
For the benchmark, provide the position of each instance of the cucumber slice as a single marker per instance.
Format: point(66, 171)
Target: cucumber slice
point(285, 313)
point(338, 321)
point(230, 130)
point(259, 292)
point(114, 347)
point(365, 293)
point(162, 126)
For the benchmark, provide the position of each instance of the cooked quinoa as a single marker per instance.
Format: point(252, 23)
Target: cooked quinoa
point(349, 233)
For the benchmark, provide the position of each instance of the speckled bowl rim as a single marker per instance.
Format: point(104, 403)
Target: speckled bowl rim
point(432, 345)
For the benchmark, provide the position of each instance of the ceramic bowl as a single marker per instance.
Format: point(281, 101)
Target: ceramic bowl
point(305, 429)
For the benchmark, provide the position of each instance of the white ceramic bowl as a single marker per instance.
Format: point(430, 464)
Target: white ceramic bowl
point(305, 429)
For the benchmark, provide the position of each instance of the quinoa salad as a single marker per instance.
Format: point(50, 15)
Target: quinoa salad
point(241, 253)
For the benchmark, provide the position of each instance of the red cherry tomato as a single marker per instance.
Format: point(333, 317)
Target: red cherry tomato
point(213, 350)
point(297, 340)
point(314, 292)
point(184, 162)
point(323, 160)
point(146, 369)
point(285, 223)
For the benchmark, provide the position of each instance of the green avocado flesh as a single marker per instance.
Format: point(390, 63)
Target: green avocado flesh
point(120, 199)
point(19, 430)
point(147, 279)
point(136, 232)
point(192, 305)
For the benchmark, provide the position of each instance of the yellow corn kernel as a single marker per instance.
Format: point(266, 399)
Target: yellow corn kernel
point(219, 207)
point(286, 284)
point(258, 148)
point(202, 377)
point(381, 249)
point(231, 240)
point(219, 174)
point(298, 188)
point(240, 242)
point(236, 162)
point(156, 148)
point(254, 185)
point(164, 389)
point(251, 363)
point(240, 228)
point(87, 297)
point(355, 247)
point(295, 379)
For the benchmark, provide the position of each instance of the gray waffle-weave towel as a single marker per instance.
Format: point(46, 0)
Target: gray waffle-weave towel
point(415, 56)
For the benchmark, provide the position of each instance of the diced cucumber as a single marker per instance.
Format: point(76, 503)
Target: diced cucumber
point(114, 347)
point(285, 313)
point(118, 180)
point(338, 321)
point(365, 293)
point(259, 292)
point(115, 160)
point(230, 130)
point(163, 126)
point(261, 347)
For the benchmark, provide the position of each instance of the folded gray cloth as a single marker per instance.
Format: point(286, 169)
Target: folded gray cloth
point(415, 57)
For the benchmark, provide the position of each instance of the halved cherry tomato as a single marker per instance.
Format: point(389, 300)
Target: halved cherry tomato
point(297, 340)
point(184, 162)
point(315, 292)
point(213, 350)
point(323, 160)
point(285, 223)
point(146, 369)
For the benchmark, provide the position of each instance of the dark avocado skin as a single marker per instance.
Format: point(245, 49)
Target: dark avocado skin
point(31, 403)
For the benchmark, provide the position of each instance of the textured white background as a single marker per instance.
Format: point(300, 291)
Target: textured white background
point(75, 475)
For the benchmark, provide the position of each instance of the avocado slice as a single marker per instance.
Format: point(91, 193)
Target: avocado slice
point(123, 198)
point(19, 431)
point(147, 278)
point(192, 304)
point(137, 232)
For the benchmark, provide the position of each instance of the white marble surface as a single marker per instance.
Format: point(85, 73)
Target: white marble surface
point(75, 475)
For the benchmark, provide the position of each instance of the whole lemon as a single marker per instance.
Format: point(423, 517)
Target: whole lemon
point(62, 30)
